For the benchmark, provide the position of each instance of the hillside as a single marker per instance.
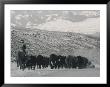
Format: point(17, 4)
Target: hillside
point(61, 43)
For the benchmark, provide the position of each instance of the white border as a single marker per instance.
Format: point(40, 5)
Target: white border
point(65, 80)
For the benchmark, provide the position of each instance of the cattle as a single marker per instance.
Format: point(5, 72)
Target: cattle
point(45, 62)
point(39, 61)
point(82, 62)
point(60, 62)
point(68, 61)
point(54, 61)
point(74, 62)
point(31, 62)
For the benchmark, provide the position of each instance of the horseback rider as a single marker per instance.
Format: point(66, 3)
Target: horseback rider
point(23, 48)
point(21, 56)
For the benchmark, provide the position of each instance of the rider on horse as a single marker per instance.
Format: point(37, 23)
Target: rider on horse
point(21, 57)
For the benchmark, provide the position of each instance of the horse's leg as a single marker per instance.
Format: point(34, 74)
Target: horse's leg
point(20, 64)
point(17, 63)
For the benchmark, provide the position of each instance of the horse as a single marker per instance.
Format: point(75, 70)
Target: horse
point(21, 59)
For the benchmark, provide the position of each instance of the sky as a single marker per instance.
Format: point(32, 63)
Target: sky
point(83, 21)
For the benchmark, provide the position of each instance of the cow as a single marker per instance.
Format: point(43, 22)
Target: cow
point(63, 63)
point(68, 61)
point(31, 62)
point(53, 61)
point(39, 61)
point(60, 61)
point(45, 62)
point(83, 62)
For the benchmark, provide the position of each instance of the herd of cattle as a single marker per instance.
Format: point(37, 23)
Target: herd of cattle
point(53, 61)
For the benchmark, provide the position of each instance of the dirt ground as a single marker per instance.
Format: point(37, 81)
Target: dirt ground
point(16, 72)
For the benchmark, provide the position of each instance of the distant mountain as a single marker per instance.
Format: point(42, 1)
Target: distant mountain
point(97, 34)
point(94, 35)
point(61, 43)
point(89, 26)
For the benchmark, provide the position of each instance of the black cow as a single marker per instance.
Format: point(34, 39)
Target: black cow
point(39, 61)
point(74, 62)
point(82, 62)
point(62, 60)
point(45, 62)
point(31, 62)
point(69, 61)
point(53, 61)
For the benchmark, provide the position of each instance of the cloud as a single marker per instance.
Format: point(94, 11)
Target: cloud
point(90, 25)
point(18, 17)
